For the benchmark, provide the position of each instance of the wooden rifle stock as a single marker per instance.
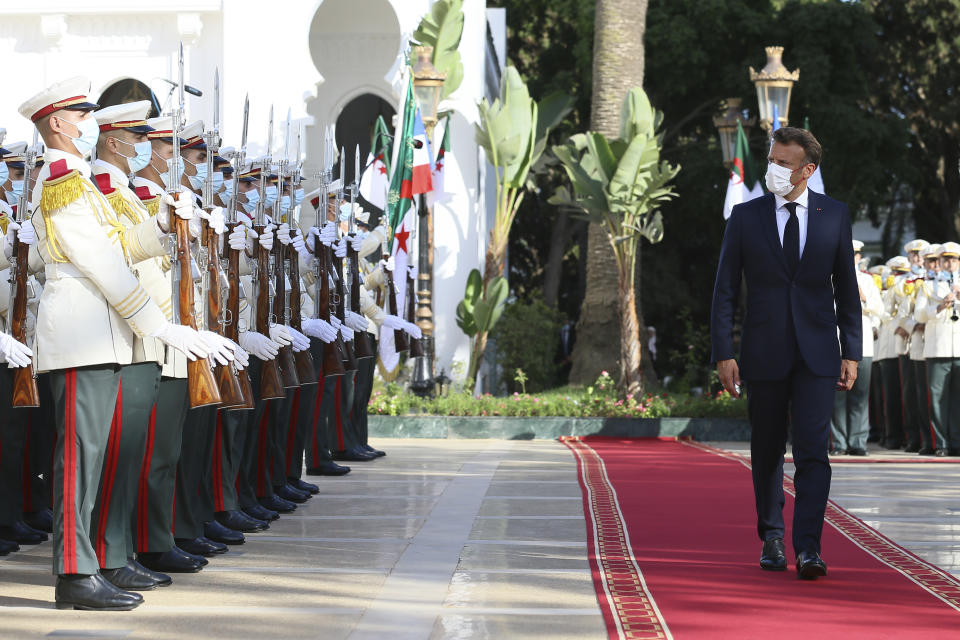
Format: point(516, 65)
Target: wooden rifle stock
point(25, 393)
point(349, 357)
point(271, 384)
point(288, 368)
point(416, 345)
point(362, 340)
point(306, 370)
point(228, 380)
point(202, 385)
point(332, 351)
point(231, 328)
point(400, 339)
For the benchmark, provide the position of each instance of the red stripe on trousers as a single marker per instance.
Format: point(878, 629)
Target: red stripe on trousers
point(262, 449)
point(69, 471)
point(26, 472)
point(110, 471)
point(317, 405)
point(292, 430)
point(218, 465)
point(143, 492)
point(336, 405)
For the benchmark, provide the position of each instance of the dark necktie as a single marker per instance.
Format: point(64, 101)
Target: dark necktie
point(791, 238)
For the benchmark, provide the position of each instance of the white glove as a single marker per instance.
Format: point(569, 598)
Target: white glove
point(240, 240)
point(184, 339)
point(387, 265)
point(15, 353)
point(346, 332)
point(311, 240)
point(335, 321)
point(280, 335)
point(241, 359)
point(357, 241)
point(24, 232)
point(412, 271)
point(259, 345)
point(296, 238)
point(412, 330)
point(356, 321)
point(320, 329)
point(300, 341)
point(215, 219)
point(393, 322)
point(219, 347)
point(328, 235)
point(283, 233)
point(340, 248)
point(266, 238)
point(182, 206)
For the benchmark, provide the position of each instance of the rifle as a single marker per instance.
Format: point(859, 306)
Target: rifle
point(303, 359)
point(400, 338)
point(271, 383)
point(416, 345)
point(231, 328)
point(333, 352)
point(288, 368)
point(25, 393)
point(349, 357)
point(363, 341)
point(214, 282)
point(203, 389)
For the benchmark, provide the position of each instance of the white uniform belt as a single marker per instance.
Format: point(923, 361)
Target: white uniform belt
point(62, 270)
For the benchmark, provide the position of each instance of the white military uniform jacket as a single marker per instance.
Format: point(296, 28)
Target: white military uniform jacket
point(872, 309)
point(92, 305)
point(943, 336)
point(905, 292)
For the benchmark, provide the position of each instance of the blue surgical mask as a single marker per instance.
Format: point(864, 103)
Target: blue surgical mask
point(931, 274)
point(227, 191)
point(165, 175)
point(270, 195)
point(217, 180)
point(196, 181)
point(916, 270)
point(4, 172)
point(253, 197)
point(89, 133)
point(141, 157)
point(15, 190)
point(298, 196)
point(285, 203)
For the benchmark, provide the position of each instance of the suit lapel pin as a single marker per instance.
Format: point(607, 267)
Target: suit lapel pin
point(819, 209)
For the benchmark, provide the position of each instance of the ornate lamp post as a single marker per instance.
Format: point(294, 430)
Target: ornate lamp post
point(726, 125)
point(427, 86)
point(774, 84)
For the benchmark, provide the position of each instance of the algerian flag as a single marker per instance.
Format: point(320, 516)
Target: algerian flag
point(375, 180)
point(815, 182)
point(743, 184)
point(438, 194)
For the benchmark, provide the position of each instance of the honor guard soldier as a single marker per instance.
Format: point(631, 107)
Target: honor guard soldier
point(889, 348)
point(905, 291)
point(942, 351)
point(925, 293)
point(90, 310)
point(850, 426)
point(878, 273)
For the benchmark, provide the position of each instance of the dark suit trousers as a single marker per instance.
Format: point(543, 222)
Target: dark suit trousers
point(805, 402)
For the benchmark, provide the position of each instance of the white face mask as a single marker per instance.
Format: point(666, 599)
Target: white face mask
point(778, 179)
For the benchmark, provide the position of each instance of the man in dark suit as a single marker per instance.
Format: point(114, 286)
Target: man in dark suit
point(793, 248)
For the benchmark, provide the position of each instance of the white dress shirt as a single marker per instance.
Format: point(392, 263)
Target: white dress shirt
point(783, 214)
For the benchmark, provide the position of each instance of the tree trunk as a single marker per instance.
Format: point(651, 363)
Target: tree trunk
point(631, 375)
point(559, 238)
point(617, 67)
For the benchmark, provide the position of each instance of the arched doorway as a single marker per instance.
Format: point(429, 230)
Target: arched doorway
point(355, 127)
point(129, 90)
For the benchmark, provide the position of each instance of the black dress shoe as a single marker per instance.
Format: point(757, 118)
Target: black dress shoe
point(278, 504)
point(169, 562)
point(375, 452)
point(309, 487)
point(218, 547)
point(290, 494)
point(857, 451)
point(196, 558)
point(352, 455)
point(838, 452)
point(21, 533)
point(93, 593)
point(162, 579)
point(810, 566)
point(215, 531)
point(128, 579)
point(8, 546)
point(773, 558)
point(940, 453)
point(925, 451)
point(41, 520)
point(912, 447)
point(199, 546)
point(239, 521)
point(329, 469)
point(261, 513)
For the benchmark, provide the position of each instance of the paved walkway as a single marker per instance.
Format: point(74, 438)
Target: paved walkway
point(440, 539)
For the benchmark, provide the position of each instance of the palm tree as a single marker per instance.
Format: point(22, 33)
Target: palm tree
point(619, 26)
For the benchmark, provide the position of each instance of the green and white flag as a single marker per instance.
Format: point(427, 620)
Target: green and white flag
point(743, 184)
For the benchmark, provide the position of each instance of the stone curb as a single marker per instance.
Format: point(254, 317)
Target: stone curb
point(549, 428)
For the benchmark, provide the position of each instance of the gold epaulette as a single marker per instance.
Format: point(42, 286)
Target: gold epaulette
point(877, 280)
point(122, 206)
point(152, 204)
point(4, 223)
point(60, 191)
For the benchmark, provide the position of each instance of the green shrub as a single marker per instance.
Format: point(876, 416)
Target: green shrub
point(528, 338)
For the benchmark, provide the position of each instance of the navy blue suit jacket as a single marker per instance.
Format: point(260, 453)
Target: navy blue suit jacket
point(812, 303)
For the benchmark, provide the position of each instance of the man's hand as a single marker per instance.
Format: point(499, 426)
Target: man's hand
point(848, 375)
point(900, 331)
point(730, 376)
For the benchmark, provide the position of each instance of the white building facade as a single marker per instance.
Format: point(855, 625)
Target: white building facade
point(313, 57)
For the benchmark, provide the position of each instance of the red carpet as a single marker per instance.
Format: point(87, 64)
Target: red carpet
point(672, 541)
